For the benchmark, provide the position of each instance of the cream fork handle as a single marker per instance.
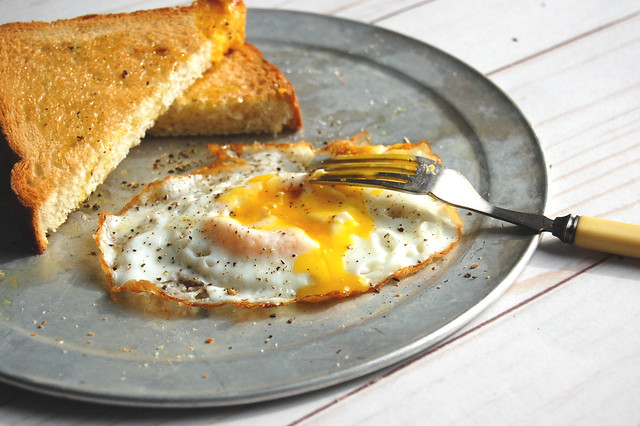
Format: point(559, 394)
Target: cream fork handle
point(608, 235)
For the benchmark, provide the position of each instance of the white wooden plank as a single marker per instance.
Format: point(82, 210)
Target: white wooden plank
point(599, 66)
point(38, 10)
point(488, 34)
point(583, 100)
point(267, 4)
point(373, 11)
point(314, 6)
point(369, 11)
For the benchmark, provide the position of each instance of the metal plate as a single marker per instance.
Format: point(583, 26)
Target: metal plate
point(61, 333)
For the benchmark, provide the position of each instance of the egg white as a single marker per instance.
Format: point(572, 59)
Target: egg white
point(179, 239)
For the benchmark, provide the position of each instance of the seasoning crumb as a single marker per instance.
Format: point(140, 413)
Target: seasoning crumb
point(90, 342)
point(42, 324)
point(474, 266)
point(398, 294)
point(190, 348)
point(32, 334)
point(290, 320)
point(105, 319)
point(91, 333)
point(467, 275)
point(209, 340)
point(204, 376)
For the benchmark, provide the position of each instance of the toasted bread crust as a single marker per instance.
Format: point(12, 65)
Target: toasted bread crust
point(76, 95)
point(243, 93)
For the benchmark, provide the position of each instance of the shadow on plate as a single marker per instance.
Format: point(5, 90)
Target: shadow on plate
point(16, 240)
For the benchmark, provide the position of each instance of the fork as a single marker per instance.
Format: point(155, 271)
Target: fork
point(419, 175)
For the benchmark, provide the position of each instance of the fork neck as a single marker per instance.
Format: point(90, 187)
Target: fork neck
point(565, 228)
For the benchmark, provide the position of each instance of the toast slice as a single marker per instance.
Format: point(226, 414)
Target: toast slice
point(76, 95)
point(243, 93)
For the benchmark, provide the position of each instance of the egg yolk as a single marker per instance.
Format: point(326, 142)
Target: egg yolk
point(331, 216)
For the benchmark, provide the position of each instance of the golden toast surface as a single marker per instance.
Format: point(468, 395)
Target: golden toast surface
point(76, 95)
point(243, 93)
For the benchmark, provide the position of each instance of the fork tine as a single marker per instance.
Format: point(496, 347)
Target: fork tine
point(392, 162)
point(382, 175)
point(360, 181)
point(355, 158)
point(367, 169)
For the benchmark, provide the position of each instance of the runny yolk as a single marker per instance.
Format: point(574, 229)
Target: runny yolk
point(329, 216)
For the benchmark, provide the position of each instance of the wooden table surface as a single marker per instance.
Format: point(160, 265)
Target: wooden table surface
point(561, 346)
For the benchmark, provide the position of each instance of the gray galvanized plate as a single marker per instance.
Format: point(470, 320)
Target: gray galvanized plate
point(62, 333)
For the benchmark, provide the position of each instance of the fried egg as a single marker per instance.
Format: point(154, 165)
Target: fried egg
point(251, 230)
